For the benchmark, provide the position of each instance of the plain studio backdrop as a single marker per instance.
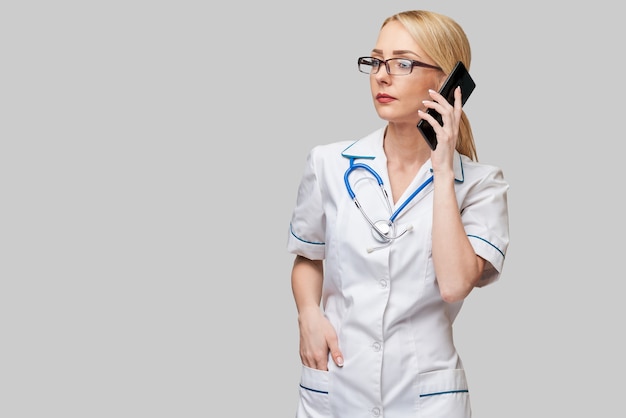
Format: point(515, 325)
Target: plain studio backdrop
point(150, 153)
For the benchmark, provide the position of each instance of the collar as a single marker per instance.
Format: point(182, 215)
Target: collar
point(367, 147)
point(371, 146)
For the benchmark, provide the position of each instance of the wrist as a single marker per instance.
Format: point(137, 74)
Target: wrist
point(443, 176)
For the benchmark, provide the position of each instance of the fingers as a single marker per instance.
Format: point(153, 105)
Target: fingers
point(446, 124)
point(315, 359)
point(458, 103)
point(320, 362)
point(316, 342)
point(336, 355)
point(440, 99)
point(333, 346)
point(441, 105)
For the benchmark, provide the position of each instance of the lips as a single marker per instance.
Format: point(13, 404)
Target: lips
point(384, 98)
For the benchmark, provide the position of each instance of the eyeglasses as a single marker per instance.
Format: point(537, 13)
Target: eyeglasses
point(394, 66)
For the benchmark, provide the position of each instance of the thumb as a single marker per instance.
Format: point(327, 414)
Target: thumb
point(337, 357)
point(336, 354)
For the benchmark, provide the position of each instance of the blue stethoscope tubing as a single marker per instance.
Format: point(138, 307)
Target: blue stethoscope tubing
point(354, 166)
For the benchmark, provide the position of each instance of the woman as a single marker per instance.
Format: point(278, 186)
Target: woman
point(379, 276)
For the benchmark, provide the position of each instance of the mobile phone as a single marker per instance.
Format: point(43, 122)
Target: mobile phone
point(458, 77)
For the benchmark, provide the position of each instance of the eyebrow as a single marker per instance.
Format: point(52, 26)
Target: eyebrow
point(396, 52)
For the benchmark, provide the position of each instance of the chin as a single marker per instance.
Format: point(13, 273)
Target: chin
point(398, 120)
point(385, 114)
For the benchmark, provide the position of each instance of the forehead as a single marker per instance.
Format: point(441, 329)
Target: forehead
point(393, 36)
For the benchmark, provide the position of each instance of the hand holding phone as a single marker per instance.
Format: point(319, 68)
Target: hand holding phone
point(458, 77)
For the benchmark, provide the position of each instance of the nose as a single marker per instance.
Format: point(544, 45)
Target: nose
point(382, 76)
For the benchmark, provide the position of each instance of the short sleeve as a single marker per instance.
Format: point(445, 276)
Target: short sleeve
point(308, 224)
point(486, 221)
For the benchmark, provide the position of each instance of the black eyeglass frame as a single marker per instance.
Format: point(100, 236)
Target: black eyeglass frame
point(414, 63)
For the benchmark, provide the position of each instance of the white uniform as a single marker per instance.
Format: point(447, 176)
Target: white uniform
point(394, 330)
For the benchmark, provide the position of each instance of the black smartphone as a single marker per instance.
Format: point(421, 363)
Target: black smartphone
point(458, 77)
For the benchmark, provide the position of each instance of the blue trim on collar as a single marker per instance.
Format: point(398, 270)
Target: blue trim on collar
point(462, 173)
point(459, 171)
point(365, 148)
point(352, 157)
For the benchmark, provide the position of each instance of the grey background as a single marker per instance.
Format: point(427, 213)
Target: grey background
point(149, 158)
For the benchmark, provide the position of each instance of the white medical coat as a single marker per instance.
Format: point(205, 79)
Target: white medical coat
point(394, 329)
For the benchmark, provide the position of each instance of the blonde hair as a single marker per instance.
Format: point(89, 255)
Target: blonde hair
point(445, 42)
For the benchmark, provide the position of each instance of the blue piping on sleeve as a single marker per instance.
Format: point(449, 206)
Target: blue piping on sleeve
point(484, 240)
point(303, 240)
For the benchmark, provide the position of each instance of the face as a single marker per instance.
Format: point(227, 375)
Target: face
point(398, 97)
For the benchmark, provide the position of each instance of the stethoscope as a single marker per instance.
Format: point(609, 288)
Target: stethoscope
point(383, 230)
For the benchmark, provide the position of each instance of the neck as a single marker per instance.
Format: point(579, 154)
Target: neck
point(405, 146)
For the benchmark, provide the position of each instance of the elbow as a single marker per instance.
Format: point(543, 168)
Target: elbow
point(452, 293)
point(449, 296)
point(455, 286)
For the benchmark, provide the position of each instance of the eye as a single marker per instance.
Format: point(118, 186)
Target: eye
point(403, 64)
point(374, 62)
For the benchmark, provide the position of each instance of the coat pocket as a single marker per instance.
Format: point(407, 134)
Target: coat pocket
point(314, 401)
point(444, 393)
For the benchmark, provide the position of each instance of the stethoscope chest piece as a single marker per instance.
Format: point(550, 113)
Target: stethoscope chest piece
point(381, 230)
